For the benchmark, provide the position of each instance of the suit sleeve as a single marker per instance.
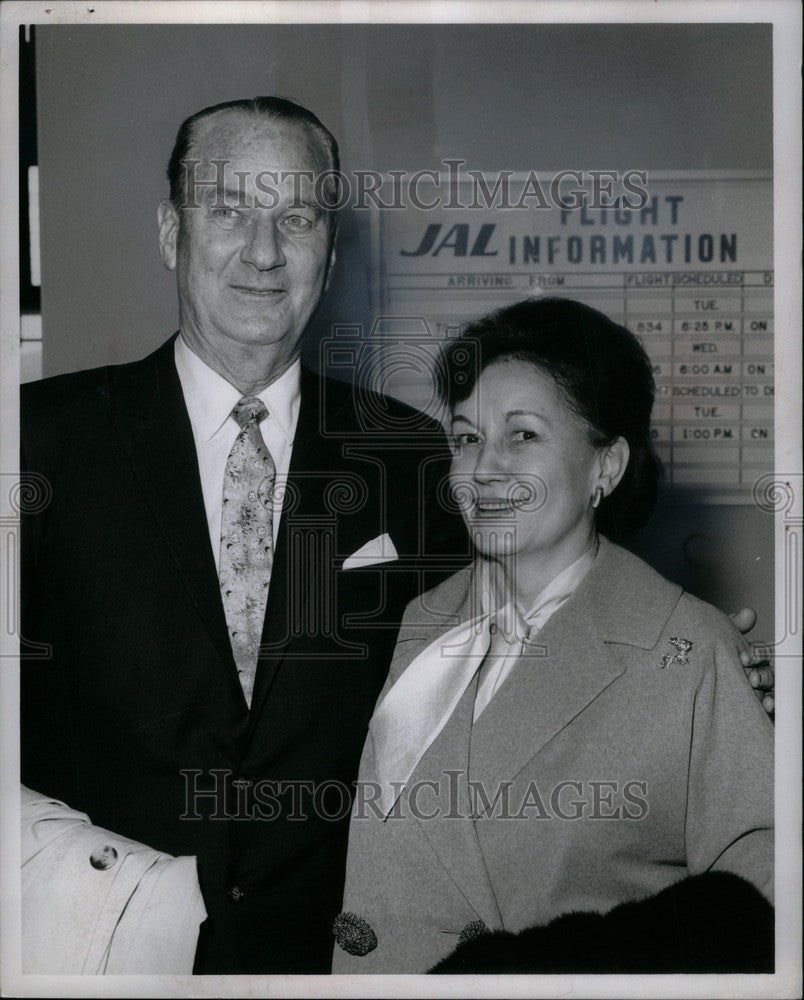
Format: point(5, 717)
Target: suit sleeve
point(45, 716)
point(97, 903)
point(729, 822)
point(40, 685)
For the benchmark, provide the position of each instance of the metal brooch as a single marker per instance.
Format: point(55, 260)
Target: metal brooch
point(683, 646)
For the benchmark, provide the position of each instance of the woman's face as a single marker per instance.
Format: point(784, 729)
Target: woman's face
point(523, 468)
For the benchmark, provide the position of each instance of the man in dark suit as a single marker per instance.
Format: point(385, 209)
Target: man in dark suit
point(229, 544)
point(228, 549)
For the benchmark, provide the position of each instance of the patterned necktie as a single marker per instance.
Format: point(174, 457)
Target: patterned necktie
point(247, 549)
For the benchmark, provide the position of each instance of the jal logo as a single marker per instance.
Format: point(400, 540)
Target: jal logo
point(455, 241)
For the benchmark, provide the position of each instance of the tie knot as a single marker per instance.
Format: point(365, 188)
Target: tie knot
point(250, 410)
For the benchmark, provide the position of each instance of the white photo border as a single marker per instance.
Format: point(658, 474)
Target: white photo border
point(785, 15)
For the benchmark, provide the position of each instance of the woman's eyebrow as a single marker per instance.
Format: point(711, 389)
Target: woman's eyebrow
point(458, 418)
point(526, 413)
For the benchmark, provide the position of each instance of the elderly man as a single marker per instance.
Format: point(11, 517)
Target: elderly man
point(221, 570)
point(229, 548)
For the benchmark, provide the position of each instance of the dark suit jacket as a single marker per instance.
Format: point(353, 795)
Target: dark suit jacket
point(138, 704)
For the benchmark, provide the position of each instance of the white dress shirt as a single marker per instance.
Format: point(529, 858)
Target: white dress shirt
point(210, 399)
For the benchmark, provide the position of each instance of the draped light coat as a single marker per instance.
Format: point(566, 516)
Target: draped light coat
point(619, 764)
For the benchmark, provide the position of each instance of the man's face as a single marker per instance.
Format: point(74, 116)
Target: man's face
point(251, 252)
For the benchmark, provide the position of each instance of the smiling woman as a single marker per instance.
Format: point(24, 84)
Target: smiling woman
point(559, 669)
point(595, 386)
point(550, 405)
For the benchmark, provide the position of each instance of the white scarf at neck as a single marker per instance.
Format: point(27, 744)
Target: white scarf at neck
point(418, 706)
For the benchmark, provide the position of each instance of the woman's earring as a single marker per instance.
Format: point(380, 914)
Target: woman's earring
point(597, 496)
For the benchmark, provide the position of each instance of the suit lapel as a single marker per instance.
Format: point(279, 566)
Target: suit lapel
point(540, 697)
point(452, 835)
point(157, 436)
point(303, 578)
point(571, 662)
point(552, 683)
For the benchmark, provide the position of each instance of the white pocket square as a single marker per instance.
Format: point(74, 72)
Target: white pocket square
point(378, 550)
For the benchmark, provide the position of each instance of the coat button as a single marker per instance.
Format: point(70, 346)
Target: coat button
point(354, 934)
point(474, 929)
point(236, 894)
point(103, 858)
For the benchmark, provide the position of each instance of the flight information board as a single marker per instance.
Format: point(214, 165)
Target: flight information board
point(690, 273)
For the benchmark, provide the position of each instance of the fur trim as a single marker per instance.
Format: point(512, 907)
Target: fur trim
point(715, 922)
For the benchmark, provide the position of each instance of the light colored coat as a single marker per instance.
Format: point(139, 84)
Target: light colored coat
point(100, 904)
point(627, 763)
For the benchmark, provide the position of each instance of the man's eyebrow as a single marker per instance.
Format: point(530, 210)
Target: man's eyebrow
point(461, 419)
point(229, 196)
point(237, 198)
point(313, 206)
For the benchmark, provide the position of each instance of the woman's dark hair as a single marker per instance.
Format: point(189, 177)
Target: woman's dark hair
point(601, 371)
